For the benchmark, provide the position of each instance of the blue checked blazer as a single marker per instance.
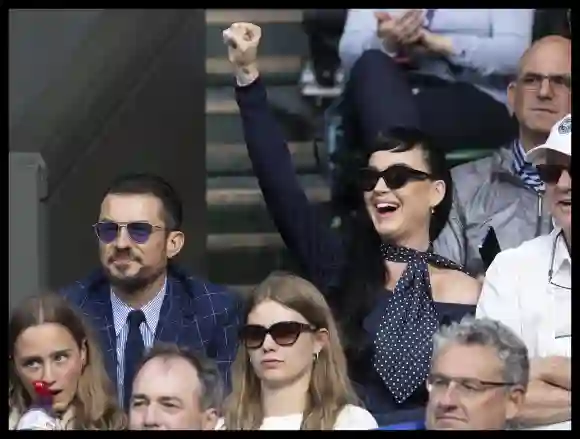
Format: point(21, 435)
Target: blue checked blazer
point(195, 314)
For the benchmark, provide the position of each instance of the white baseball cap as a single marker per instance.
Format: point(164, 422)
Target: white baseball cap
point(560, 140)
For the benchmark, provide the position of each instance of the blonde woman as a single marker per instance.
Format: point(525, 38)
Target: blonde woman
point(48, 341)
point(290, 370)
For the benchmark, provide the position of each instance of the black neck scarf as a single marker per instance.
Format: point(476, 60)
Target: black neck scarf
point(404, 342)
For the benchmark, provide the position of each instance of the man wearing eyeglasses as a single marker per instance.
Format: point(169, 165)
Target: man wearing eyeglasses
point(504, 190)
point(139, 296)
point(529, 289)
point(478, 378)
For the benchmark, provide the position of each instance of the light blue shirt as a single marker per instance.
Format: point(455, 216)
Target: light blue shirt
point(120, 313)
point(487, 43)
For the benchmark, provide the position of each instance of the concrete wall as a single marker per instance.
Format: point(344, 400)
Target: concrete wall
point(114, 91)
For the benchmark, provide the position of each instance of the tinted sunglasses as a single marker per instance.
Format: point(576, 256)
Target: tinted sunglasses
point(139, 232)
point(395, 177)
point(550, 174)
point(283, 333)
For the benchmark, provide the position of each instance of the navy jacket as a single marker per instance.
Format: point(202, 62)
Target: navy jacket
point(195, 314)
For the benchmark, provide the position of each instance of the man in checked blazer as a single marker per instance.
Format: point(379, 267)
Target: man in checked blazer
point(138, 296)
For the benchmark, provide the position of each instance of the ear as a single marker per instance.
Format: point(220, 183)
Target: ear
point(209, 419)
point(321, 340)
point(175, 242)
point(516, 397)
point(511, 97)
point(437, 193)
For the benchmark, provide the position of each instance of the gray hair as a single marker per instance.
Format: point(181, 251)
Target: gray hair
point(510, 349)
point(212, 387)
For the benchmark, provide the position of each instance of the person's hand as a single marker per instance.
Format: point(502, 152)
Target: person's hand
point(435, 43)
point(242, 40)
point(403, 30)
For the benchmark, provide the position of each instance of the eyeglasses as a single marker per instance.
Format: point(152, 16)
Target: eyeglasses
point(552, 257)
point(139, 232)
point(395, 177)
point(558, 83)
point(464, 386)
point(283, 333)
point(550, 174)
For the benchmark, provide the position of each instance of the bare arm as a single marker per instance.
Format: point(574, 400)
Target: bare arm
point(554, 370)
point(544, 404)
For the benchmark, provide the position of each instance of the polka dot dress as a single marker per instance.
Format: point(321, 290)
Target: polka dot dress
point(403, 345)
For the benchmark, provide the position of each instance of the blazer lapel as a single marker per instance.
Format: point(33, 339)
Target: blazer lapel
point(177, 317)
point(98, 309)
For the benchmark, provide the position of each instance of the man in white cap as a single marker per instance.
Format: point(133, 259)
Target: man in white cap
point(528, 288)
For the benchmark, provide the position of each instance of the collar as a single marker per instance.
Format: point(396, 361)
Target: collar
point(151, 310)
point(561, 254)
point(525, 169)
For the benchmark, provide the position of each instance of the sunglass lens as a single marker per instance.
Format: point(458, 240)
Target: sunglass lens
point(107, 231)
point(253, 336)
point(285, 333)
point(368, 179)
point(139, 232)
point(550, 174)
point(397, 176)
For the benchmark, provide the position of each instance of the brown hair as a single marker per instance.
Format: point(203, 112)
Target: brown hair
point(330, 388)
point(95, 406)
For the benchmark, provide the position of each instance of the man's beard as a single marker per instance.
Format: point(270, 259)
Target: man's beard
point(131, 284)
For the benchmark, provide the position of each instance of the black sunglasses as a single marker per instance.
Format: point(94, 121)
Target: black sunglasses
point(283, 333)
point(550, 174)
point(395, 177)
point(139, 232)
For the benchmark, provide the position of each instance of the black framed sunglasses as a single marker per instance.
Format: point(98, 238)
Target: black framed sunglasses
point(139, 232)
point(283, 333)
point(550, 174)
point(395, 177)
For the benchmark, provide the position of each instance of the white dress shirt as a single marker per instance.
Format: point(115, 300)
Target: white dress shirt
point(519, 291)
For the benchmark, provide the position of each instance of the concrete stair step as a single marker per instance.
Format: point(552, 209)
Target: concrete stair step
point(233, 159)
point(228, 16)
point(249, 265)
point(231, 191)
point(223, 123)
point(282, 49)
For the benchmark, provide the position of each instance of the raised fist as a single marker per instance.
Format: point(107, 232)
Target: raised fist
point(242, 40)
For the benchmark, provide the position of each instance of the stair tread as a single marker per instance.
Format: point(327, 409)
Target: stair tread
point(229, 241)
point(229, 16)
point(220, 65)
point(232, 158)
point(221, 100)
point(245, 190)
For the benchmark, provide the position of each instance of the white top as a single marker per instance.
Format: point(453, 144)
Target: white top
point(517, 292)
point(350, 417)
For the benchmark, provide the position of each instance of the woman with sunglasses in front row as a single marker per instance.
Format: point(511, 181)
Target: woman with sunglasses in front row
point(290, 370)
point(387, 290)
point(49, 346)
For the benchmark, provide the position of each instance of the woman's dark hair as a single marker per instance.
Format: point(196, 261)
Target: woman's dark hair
point(363, 275)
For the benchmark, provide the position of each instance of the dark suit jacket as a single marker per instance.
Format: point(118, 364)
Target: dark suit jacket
point(195, 314)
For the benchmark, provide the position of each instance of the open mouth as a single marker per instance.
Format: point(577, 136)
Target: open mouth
point(56, 392)
point(386, 208)
point(565, 203)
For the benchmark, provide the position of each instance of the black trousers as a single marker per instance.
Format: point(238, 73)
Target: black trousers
point(379, 96)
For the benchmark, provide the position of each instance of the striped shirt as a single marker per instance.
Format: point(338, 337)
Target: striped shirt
point(120, 313)
point(526, 170)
